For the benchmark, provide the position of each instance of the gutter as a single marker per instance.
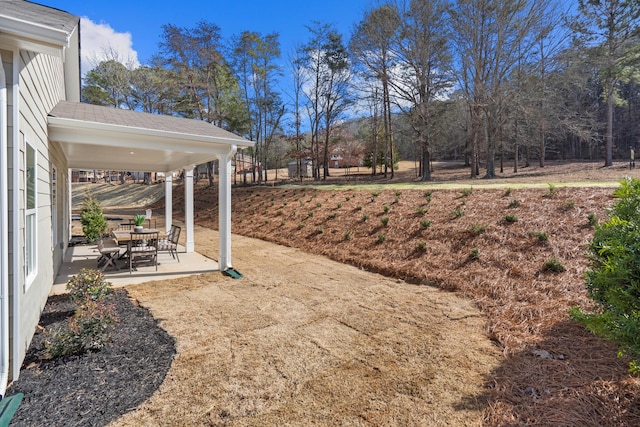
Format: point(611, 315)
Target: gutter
point(4, 239)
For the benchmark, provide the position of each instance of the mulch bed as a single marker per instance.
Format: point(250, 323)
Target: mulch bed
point(95, 388)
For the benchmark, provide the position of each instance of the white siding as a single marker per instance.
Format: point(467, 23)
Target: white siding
point(41, 87)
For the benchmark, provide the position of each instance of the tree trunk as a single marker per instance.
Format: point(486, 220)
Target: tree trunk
point(426, 161)
point(609, 136)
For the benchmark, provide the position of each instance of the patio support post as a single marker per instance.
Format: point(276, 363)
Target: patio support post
point(168, 200)
point(188, 208)
point(224, 210)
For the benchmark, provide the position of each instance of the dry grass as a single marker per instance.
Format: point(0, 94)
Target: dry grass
point(501, 269)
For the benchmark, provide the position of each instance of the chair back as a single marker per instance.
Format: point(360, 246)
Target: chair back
point(175, 235)
point(144, 241)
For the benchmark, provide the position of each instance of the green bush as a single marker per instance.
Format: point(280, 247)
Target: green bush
point(613, 278)
point(91, 326)
point(88, 285)
point(554, 265)
point(384, 220)
point(93, 221)
point(477, 229)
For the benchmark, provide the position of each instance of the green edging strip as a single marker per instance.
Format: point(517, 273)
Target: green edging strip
point(233, 273)
point(8, 407)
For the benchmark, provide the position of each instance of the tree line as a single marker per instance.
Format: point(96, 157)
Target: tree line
point(496, 83)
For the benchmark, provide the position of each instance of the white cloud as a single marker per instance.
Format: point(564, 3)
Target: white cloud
point(100, 42)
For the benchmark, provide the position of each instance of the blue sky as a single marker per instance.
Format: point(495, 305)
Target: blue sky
point(118, 23)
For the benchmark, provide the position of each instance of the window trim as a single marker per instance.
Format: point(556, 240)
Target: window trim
point(30, 218)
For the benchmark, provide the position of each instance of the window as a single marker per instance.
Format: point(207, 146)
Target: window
point(30, 214)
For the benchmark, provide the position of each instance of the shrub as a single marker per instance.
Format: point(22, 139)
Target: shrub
point(346, 235)
point(541, 235)
point(612, 278)
point(91, 326)
point(425, 224)
point(420, 210)
point(88, 285)
point(551, 192)
point(381, 238)
point(514, 203)
point(384, 220)
point(507, 192)
point(386, 208)
point(318, 204)
point(421, 246)
point(554, 265)
point(339, 205)
point(358, 208)
point(93, 221)
point(427, 196)
point(568, 204)
point(478, 229)
point(365, 217)
point(457, 212)
point(593, 219)
point(475, 253)
point(467, 191)
point(332, 215)
point(89, 330)
point(320, 229)
point(510, 218)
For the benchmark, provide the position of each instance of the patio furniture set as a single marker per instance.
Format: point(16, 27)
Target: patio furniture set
point(140, 246)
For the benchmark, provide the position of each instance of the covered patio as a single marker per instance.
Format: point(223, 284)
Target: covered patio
point(94, 137)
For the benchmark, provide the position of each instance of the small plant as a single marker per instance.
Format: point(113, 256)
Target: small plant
point(358, 208)
point(386, 208)
point(541, 236)
point(93, 221)
point(475, 253)
point(467, 191)
point(510, 218)
point(364, 217)
point(514, 203)
point(346, 235)
point(347, 198)
point(87, 285)
point(319, 229)
point(425, 224)
point(568, 204)
point(310, 214)
point(551, 191)
point(318, 204)
point(381, 238)
point(457, 212)
point(421, 246)
point(332, 215)
point(420, 210)
point(91, 326)
point(139, 220)
point(279, 212)
point(427, 196)
point(398, 193)
point(507, 192)
point(554, 265)
point(375, 194)
point(384, 220)
point(339, 205)
point(477, 229)
point(593, 219)
point(265, 221)
point(282, 223)
point(301, 225)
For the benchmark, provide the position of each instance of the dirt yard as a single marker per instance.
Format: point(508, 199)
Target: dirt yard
point(304, 340)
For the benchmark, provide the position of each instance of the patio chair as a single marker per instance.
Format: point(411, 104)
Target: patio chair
point(170, 243)
point(109, 252)
point(143, 246)
point(126, 226)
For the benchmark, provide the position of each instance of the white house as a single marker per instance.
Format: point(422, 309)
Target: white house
point(44, 132)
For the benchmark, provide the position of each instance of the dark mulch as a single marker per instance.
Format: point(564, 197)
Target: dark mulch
point(96, 388)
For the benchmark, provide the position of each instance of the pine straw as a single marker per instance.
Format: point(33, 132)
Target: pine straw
point(525, 306)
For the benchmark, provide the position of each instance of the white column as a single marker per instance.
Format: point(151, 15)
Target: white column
point(224, 210)
point(4, 238)
point(188, 209)
point(168, 200)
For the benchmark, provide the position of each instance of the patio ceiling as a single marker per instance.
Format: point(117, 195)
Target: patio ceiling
point(94, 137)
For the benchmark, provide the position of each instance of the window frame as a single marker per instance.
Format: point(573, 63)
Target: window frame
point(30, 214)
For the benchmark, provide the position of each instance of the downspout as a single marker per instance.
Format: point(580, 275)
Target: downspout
point(4, 238)
point(17, 270)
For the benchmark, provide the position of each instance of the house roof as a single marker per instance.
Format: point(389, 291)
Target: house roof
point(97, 137)
point(41, 24)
